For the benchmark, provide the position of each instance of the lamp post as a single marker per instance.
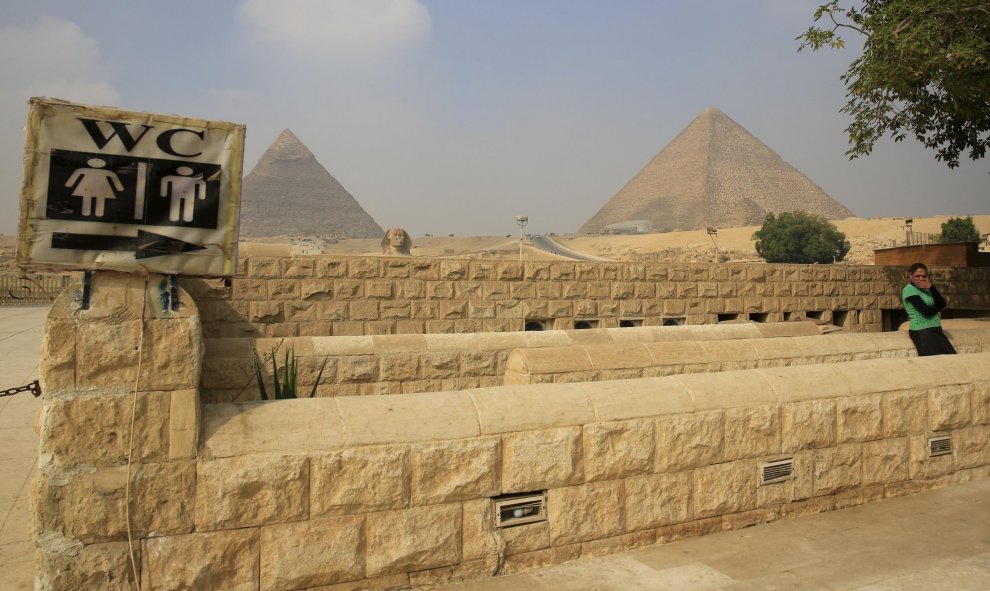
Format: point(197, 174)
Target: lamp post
point(909, 231)
point(522, 221)
point(713, 233)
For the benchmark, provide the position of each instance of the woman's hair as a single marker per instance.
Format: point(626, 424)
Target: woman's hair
point(917, 266)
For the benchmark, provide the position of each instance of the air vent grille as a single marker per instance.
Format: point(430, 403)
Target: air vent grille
point(940, 446)
point(513, 510)
point(777, 471)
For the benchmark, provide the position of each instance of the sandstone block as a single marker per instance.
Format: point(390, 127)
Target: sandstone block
point(265, 312)
point(587, 512)
point(535, 460)
point(981, 403)
point(455, 470)
point(885, 461)
point(949, 407)
point(807, 425)
point(341, 481)
point(183, 425)
point(904, 414)
point(689, 440)
point(95, 428)
point(751, 431)
point(284, 289)
point(90, 506)
point(399, 366)
point(859, 418)
point(331, 311)
point(270, 427)
point(310, 553)
point(618, 449)
point(62, 565)
point(972, 446)
point(222, 560)
point(525, 538)
point(251, 490)
point(724, 488)
point(57, 365)
point(413, 539)
point(103, 361)
point(657, 500)
point(478, 531)
point(838, 468)
point(358, 368)
point(439, 365)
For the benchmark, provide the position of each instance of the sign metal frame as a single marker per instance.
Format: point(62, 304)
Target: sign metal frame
point(109, 189)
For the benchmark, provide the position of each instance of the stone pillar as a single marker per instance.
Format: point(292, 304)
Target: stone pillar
point(89, 373)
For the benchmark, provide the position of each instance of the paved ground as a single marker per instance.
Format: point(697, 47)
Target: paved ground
point(21, 329)
point(937, 540)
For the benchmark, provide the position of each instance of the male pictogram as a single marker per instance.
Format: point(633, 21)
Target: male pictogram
point(94, 184)
point(184, 190)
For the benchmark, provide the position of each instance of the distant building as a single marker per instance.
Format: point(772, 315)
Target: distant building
point(630, 227)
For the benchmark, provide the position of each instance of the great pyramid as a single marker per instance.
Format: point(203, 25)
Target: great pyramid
point(714, 174)
point(289, 193)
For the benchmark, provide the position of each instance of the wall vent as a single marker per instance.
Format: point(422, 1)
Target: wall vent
point(777, 471)
point(940, 446)
point(518, 509)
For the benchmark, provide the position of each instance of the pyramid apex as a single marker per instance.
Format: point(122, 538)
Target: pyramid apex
point(288, 147)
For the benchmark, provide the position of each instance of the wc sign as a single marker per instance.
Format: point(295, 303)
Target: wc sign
point(111, 189)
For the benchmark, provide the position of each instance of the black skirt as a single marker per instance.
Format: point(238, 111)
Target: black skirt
point(931, 341)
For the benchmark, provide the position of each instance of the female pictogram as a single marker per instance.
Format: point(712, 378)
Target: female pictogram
point(94, 184)
point(184, 190)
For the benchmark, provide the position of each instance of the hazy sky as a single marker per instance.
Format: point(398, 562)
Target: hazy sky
point(454, 116)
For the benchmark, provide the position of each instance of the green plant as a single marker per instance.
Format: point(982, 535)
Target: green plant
point(284, 378)
point(799, 237)
point(923, 72)
point(959, 230)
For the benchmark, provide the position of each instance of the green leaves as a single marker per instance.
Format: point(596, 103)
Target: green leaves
point(799, 237)
point(959, 230)
point(924, 72)
point(285, 378)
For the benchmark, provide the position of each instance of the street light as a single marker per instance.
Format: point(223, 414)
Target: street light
point(713, 233)
point(522, 221)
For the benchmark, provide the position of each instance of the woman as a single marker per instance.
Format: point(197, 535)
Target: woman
point(922, 303)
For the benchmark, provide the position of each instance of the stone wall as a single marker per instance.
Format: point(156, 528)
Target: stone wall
point(349, 296)
point(593, 363)
point(275, 496)
point(623, 464)
point(123, 357)
point(393, 364)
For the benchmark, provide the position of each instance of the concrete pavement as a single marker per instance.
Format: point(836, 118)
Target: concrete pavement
point(21, 329)
point(935, 540)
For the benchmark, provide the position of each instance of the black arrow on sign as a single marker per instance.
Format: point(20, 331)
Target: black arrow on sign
point(144, 245)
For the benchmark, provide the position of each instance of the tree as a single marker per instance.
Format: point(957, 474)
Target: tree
point(799, 237)
point(924, 71)
point(959, 230)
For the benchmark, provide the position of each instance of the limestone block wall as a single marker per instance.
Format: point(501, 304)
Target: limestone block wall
point(393, 364)
point(282, 500)
point(353, 296)
point(114, 441)
point(598, 362)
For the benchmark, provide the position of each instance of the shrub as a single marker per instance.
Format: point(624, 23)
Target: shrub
point(284, 378)
point(799, 237)
point(959, 230)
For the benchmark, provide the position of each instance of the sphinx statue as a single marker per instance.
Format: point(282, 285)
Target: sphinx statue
point(396, 242)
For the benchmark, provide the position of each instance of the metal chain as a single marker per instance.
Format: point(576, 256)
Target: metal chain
point(34, 388)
